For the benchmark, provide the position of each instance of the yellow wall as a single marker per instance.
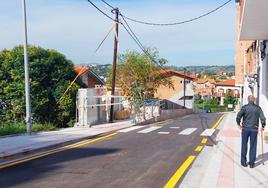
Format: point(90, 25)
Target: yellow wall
point(166, 92)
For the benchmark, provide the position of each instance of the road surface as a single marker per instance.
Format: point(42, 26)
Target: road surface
point(144, 156)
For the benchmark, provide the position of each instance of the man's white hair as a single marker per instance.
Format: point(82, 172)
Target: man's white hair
point(251, 98)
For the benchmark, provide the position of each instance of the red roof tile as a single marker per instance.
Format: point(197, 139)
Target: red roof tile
point(226, 83)
point(81, 69)
point(202, 81)
point(181, 74)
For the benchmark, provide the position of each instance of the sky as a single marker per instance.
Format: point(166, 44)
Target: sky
point(75, 29)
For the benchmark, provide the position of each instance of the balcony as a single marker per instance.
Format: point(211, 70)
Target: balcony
point(254, 23)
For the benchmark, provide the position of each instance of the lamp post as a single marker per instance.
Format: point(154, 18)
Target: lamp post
point(26, 72)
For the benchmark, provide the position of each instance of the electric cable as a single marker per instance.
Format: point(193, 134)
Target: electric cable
point(137, 41)
point(101, 10)
point(104, 39)
point(134, 37)
point(84, 69)
point(129, 31)
point(175, 23)
point(141, 47)
point(109, 5)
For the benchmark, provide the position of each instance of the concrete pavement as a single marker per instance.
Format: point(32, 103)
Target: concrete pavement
point(12, 147)
point(219, 166)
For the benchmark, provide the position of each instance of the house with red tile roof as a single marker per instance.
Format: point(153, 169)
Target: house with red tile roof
point(227, 87)
point(204, 87)
point(177, 94)
point(88, 77)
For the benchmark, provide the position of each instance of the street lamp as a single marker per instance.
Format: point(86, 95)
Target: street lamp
point(26, 72)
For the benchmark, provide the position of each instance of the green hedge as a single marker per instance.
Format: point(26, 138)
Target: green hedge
point(211, 107)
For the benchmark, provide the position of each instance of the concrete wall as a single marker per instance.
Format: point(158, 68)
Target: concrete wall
point(147, 113)
point(168, 114)
point(188, 103)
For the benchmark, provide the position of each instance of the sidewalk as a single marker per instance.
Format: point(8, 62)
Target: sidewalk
point(219, 166)
point(16, 146)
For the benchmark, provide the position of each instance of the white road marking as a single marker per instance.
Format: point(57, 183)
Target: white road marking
point(187, 131)
point(207, 132)
point(174, 127)
point(163, 132)
point(129, 129)
point(150, 129)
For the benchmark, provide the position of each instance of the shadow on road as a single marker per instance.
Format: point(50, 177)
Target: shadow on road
point(22, 174)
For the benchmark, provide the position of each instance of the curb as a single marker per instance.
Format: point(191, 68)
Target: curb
point(24, 153)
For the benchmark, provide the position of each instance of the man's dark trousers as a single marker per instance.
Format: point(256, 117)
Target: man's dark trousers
point(251, 134)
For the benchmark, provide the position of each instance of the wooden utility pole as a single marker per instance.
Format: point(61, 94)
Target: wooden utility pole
point(116, 11)
point(184, 87)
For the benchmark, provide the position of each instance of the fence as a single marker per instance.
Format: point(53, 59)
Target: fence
point(92, 107)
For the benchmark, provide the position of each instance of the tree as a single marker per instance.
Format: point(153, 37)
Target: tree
point(50, 75)
point(138, 76)
point(229, 99)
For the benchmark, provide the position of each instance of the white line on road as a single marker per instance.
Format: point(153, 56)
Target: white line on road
point(129, 129)
point(163, 132)
point(207, 132)
point(149, 129)
point(187, 131)
point(174, 127)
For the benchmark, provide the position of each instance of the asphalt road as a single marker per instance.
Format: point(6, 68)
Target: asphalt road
point(127, 160)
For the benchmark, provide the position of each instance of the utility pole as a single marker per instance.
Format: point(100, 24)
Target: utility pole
point(116, 11)
point(26, 72)
point(184, 87)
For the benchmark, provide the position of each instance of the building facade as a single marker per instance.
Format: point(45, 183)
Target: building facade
point(227, 87)
point(204, 87)
point(177, 95)
point(88, 77)
point(252, 50)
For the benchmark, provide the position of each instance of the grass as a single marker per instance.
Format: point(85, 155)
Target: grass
point(19, 128)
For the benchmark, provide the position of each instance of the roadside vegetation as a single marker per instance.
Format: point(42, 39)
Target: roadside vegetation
point(19, 128)
point(50, 75)
point(139, 76)
point(213, 104)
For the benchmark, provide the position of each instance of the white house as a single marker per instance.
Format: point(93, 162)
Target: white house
point(227, 87)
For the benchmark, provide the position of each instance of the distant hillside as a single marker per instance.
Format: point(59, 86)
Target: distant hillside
point(102, 70)
point(208, 70)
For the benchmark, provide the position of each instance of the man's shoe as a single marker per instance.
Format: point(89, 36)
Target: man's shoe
point(251, 165)
point(244, 164)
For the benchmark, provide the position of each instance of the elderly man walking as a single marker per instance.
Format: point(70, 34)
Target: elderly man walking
point(250, 115)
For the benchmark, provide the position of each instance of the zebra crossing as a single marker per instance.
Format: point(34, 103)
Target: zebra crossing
point(188, 131)
point(150, 129)
point(181, 131)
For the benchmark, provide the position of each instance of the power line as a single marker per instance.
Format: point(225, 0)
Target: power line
point(137, 41)
point(100, 10)
point(104, 39)
point(175, 23)
point(131, 33)
point(109, 5)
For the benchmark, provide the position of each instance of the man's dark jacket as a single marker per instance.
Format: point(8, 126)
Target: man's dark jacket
point(251, 113)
